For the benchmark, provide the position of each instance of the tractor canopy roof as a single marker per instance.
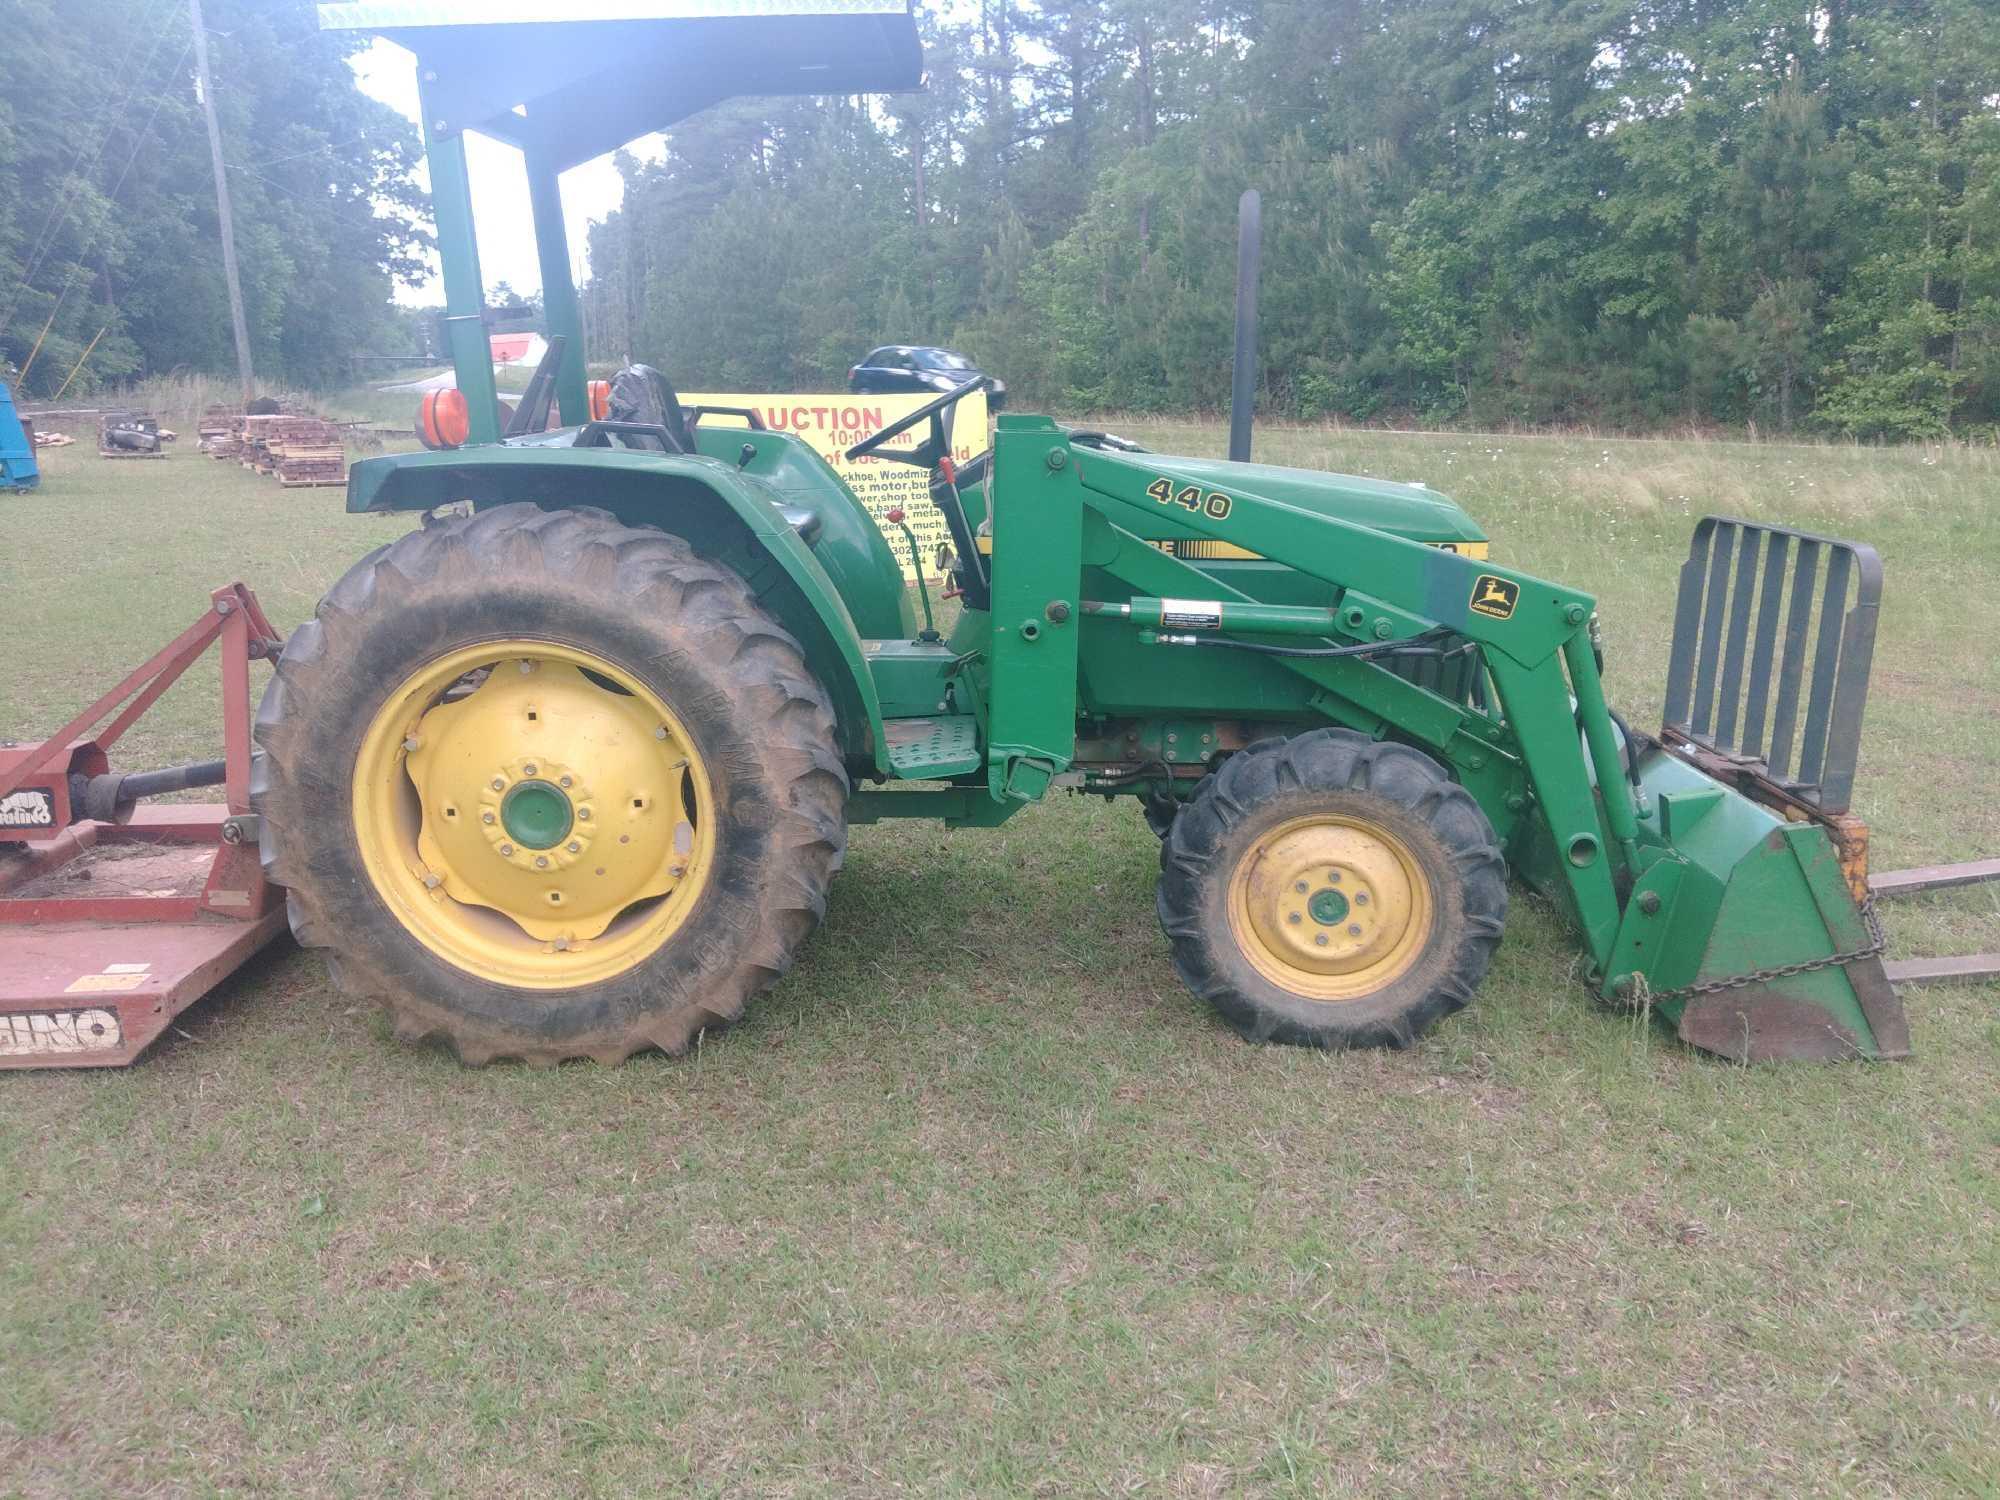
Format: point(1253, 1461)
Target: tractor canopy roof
point(567, 80)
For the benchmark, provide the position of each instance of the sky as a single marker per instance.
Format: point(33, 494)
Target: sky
point(499, 187)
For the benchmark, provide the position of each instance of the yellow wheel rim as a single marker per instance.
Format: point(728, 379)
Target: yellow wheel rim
point(533, 814)
point(1330, 906)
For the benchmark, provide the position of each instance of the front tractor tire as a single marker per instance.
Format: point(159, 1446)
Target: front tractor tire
point(1329, 890)
point(549, 786)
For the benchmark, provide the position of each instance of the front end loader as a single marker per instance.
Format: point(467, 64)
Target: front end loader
point(567, 771)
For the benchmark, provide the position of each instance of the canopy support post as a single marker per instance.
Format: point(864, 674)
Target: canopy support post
point(560, 307)
point(464, 288)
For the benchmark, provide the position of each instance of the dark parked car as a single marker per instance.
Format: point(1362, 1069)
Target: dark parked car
point(906, 369)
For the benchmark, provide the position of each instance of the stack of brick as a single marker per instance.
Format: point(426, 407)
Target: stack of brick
point(305, 451)
point(255, 452)
point(216, 428)
point(299, 449)
point(229, 442)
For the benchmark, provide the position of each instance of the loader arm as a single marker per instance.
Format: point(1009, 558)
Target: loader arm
point(1678, 883)
point(1412, 589)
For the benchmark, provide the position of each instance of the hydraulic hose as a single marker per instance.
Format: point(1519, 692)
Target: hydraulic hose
point(1631, 746)
point(1366, 650)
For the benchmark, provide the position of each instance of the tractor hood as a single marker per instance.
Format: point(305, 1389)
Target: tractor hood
point(1406, 510)
point(1409, 511)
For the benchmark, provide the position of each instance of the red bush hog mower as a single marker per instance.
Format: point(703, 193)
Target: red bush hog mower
point(117, 914)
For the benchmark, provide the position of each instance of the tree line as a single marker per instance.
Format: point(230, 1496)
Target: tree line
point(108, 239)
point(1720, 212)
point(1733, 212)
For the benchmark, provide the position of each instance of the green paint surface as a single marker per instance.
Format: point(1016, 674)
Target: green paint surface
point(536, 814)
point(1328, 907)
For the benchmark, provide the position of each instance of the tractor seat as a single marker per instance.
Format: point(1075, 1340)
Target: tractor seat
point(640, 395)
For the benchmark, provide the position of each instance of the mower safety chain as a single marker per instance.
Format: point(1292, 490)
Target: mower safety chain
point(1878, 942)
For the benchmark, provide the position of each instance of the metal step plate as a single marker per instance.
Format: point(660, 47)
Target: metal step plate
point(933, 749)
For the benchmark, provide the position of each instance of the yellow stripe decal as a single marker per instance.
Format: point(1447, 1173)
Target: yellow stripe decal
point(1203, 550)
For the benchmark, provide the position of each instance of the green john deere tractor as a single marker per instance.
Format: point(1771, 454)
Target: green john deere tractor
point(567, 771)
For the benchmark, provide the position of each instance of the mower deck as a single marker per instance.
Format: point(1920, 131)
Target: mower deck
point(116, 916)
point(113, 930)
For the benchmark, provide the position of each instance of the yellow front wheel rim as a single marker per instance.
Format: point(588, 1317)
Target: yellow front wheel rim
point(533, 814)
point(1330, 906)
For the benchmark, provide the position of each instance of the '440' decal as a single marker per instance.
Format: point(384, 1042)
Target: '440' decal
point(1190, 497)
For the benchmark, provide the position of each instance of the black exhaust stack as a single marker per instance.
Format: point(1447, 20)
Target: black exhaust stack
point(1243, 385)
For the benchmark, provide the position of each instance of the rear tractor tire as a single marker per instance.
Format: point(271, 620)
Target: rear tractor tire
point(549, 787)
point(1328, 890)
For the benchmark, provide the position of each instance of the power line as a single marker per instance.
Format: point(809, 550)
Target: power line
point(237, 323)
point(279, 161)
point(76, 162)
point(76, 271)
point(59, 204)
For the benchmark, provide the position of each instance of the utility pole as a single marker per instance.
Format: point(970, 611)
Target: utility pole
point(207, 86)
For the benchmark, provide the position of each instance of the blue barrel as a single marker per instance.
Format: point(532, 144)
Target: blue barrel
point(17, 447)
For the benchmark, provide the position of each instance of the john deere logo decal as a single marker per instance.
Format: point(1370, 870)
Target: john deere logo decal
point(1495, 597)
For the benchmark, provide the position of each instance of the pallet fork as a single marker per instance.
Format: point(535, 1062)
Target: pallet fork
point(1969, 968)
point(115, 917)
point(1774, 634)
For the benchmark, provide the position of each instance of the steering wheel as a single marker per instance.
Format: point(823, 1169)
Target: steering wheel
point(926, 454)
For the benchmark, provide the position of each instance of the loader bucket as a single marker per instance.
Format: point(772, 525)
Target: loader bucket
point(1749, 936)
point(1751, 923)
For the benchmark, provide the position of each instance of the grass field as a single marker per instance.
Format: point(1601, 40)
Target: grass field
point(978, 1200)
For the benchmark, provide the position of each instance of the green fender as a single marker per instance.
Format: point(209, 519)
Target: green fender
point(725, 515)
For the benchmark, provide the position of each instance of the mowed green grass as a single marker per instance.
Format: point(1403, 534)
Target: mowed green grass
point(978, 1200)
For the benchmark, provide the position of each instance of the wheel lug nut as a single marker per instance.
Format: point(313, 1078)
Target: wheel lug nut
point(583, 815)
point(1320, 941)
point(541, 861)
point(486, 817)
point(528, 769)
point(565, 781)
point(1292, 917)
point(411, 743)
point(1360, 898)
point(1300, 887)
point(499, 783)
point(1333, 877)
point(507, 851)
point(660, 733)
point(575, 847)
point(1353, 931)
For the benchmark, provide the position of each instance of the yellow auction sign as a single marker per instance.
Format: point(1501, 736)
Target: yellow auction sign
point(832, 424)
